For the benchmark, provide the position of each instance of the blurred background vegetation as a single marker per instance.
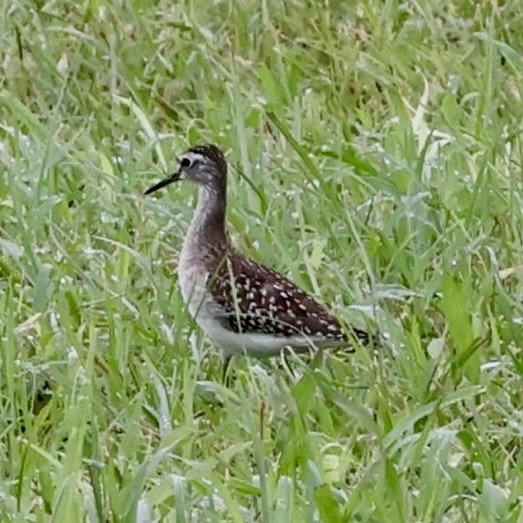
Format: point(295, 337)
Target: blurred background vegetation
point(375, 152)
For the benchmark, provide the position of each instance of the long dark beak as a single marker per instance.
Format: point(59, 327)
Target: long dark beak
point(170, 179)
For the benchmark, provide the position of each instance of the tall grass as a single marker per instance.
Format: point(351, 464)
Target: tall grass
point(375, 152)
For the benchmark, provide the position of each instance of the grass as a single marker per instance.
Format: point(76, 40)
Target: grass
point(375, 152)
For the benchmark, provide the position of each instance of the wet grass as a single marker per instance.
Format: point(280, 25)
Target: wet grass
point(375, 155)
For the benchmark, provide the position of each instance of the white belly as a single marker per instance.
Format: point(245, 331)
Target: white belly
point(206, 313)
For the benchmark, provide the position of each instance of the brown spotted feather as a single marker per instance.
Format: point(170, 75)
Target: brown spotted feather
point(255, 298)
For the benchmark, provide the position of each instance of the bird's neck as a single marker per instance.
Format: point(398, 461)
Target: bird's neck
point(207, 227)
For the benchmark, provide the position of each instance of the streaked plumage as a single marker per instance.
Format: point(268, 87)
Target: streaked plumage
point(242, 305)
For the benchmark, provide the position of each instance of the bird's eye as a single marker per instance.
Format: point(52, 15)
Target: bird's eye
point(185, 162)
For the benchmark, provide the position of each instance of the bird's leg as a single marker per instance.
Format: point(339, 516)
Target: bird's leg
point(286, 351)
point(226, 360)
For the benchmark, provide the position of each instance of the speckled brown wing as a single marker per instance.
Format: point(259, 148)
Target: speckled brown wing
point(257, 299)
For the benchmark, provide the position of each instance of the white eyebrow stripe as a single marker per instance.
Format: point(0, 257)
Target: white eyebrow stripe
point(193, 157)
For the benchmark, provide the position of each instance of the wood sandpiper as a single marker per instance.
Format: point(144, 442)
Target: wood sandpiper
point(242, 305)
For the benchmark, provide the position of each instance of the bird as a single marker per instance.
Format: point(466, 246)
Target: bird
point(243, 306)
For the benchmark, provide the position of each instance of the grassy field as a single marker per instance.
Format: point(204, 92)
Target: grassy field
point(376, 159)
